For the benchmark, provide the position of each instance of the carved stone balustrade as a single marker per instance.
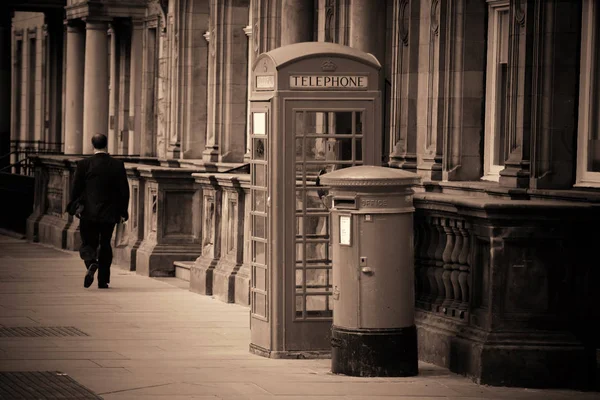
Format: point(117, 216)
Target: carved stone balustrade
point(499, 289)
point(222, 270)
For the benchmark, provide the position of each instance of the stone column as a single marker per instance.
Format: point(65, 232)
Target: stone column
point(366, 31)
point(124, 49)
point(297, 18)
point(225, 134)
point(113, 89)
point(366, 27)
point(135, 89)
point(5, 89)
point(54, 79)
point(74, 89)
point(95, 96)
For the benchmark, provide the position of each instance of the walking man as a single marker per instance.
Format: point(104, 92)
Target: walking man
point(100, 198)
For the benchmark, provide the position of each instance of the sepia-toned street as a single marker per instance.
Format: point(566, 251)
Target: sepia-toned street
point(148, 338)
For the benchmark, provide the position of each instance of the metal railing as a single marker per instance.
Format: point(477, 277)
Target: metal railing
point(20, 155)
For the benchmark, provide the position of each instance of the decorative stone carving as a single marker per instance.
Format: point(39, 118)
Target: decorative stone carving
point(519, 12)
point(403, 22)
point(435, 17)
point(330, 9)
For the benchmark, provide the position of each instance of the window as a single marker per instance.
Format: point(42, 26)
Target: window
point(496, 89)
point(588, 143)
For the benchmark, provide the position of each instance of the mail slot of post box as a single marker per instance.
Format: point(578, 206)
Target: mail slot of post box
point(344, 203)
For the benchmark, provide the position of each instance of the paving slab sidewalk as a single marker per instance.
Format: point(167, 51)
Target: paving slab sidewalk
point(148, 338)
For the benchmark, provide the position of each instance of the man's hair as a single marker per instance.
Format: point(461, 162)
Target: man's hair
point(99, 141)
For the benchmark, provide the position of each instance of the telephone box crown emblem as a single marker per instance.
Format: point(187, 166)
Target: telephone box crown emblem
point(328, 66)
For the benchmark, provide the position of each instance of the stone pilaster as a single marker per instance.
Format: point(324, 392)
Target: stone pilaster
point(266, 26)
point(404, 84)
point(135, 88)
point(227, 69)
point(5, 85)
point(74, 88)
point(95, 95)
point(432, 60)
point(555, 94)
point(148, 97)
point(176, 20)
point(523, 30)
point(465, 80)
point(194, 81)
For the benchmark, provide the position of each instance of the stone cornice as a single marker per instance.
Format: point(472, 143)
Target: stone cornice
point(156, 172)
point(226, 181)
point(107, 9)
point(508, 212)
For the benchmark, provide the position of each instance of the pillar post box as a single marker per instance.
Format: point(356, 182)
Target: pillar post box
point(373, 332)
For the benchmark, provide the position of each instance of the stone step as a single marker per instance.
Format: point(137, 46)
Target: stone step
point(182, 269)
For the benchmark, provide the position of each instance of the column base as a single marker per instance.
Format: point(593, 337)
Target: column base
point(374, 352)
point(174, 151)
point(52, 231)
point(515, 175)
point(211, 154)
point(242, 286)
point(32, 227)
point(126, 255)
point(202, 275)
point(430, 169)
point(72, 236)
point(224, 281)
point(407, 162)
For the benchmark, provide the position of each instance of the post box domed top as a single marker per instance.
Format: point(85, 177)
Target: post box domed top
point(297, 51)
point(369, 175)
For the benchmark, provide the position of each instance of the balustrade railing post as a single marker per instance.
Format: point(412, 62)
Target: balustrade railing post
point(458, 247)
point(439, 264)
point(446, 224)
point(431, 260)
point(465, 267)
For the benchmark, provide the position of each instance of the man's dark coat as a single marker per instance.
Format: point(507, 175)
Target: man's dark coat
point(101, 189)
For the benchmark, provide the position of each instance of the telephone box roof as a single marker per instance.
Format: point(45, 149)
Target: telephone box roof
point(297, 51)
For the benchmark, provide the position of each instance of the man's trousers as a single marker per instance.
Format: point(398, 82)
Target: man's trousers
point(95, 246)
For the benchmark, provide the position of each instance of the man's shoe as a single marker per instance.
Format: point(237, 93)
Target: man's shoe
point(89, 276)
point(103, 286)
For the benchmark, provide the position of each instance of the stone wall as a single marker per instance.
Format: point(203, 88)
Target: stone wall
point(501, 287)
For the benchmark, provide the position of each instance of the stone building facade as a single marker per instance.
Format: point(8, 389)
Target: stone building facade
point(494, 103)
